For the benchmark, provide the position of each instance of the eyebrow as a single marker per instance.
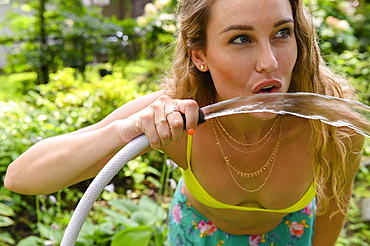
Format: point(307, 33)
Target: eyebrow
point(283, 21)
point(251, 28)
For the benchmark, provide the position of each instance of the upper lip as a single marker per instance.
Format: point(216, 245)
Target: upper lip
point(267, 83)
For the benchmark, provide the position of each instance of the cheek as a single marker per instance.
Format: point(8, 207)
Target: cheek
point(288, 58)
point(230, 67)
point(230, 78)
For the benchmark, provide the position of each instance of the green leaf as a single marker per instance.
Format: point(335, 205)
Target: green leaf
point(154, 181)
point(6, 210)
point(136, 236)
point(88, 228)
point(106, 228)
point(119, 218)
point(7, 238)
point(138, 177)
point(144, 218)
point(152, 207)
point(5, 221)
point(44, 230)
point(31, 240)
point(124, 205)
point(153, 170)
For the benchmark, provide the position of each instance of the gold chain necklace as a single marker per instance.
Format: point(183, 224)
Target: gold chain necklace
point(270, 161)
point(220, 127)
point(247, 144)
point(252, 174)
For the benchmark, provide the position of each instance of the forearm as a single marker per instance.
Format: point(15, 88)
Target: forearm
point(58, 162)
point(327, 230)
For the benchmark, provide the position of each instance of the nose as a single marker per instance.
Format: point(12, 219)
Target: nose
point(267, 61)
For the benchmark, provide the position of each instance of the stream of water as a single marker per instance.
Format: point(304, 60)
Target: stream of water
point(330, 110)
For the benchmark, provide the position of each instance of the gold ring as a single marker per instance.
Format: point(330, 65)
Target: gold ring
point(161, 120)
point(172, 111)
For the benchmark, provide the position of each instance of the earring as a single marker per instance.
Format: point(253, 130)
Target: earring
point(202, 67)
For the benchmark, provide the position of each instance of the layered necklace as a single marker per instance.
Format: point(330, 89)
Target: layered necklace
point(226, 135)
point(269, 163)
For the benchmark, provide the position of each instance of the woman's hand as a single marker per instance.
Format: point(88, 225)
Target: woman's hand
point(161, 121)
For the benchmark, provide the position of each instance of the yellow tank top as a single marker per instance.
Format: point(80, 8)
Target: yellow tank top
point(199, 193)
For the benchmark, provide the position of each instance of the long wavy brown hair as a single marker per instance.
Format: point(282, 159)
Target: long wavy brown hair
point(310, 74)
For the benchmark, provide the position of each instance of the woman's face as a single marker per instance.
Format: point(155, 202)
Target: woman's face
point(251, 47)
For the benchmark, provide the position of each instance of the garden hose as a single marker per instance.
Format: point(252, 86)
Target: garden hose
point(129, 152)
point(126, 154)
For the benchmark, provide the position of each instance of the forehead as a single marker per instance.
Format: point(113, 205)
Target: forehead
point(249, 12)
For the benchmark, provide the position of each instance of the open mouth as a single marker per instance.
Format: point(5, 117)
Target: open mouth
point(267, 86)
point(267, 89)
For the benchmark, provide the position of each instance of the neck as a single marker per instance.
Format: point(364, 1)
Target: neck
point(247, 127)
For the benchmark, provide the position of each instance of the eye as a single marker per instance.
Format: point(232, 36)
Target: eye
point(241, 39)
point(284, 33)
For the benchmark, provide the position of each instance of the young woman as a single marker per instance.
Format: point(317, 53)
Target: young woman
point(249, 179)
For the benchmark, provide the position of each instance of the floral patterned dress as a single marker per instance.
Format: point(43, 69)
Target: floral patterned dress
point(190, 228)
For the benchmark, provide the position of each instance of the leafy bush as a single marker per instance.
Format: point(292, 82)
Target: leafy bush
point(355, 66)
point(67, 104)
point(13, 86)
point(5, 213)
point(72, 35)
point(75, 36)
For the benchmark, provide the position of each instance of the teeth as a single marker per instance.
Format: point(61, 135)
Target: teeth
point(267, 87)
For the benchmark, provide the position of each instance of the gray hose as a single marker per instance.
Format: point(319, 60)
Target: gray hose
point(130, 151)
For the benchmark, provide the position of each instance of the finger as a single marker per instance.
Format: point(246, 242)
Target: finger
point(146, 125)
point(173, 110)
point(175, 123)
point(191, 110)
point(160, 120)
point(163, 131)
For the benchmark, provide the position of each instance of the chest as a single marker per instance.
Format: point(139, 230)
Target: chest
point(274, 179)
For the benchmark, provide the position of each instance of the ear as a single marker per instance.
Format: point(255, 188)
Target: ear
point(198, 58)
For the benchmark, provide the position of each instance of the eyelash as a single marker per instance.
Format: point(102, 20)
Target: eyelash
point(288, 33)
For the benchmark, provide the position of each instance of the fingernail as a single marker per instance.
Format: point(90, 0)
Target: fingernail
point(191, 131)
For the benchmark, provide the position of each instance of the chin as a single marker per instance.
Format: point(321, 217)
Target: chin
point(263, 115)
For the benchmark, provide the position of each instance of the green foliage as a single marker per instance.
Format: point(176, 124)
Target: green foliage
point(354, 66)
point(6, 212)
point(145, 223)
point(114, 220)
point(342, 25)
point(63, 106)
point(356, 232)
point(156, 28)
point(13, 86)
point(77, 35)
point(67, 104)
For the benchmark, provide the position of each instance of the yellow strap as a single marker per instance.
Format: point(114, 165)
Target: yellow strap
point(188, 150)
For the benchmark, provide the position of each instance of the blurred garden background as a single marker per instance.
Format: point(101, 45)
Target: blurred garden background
point(67, 64)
